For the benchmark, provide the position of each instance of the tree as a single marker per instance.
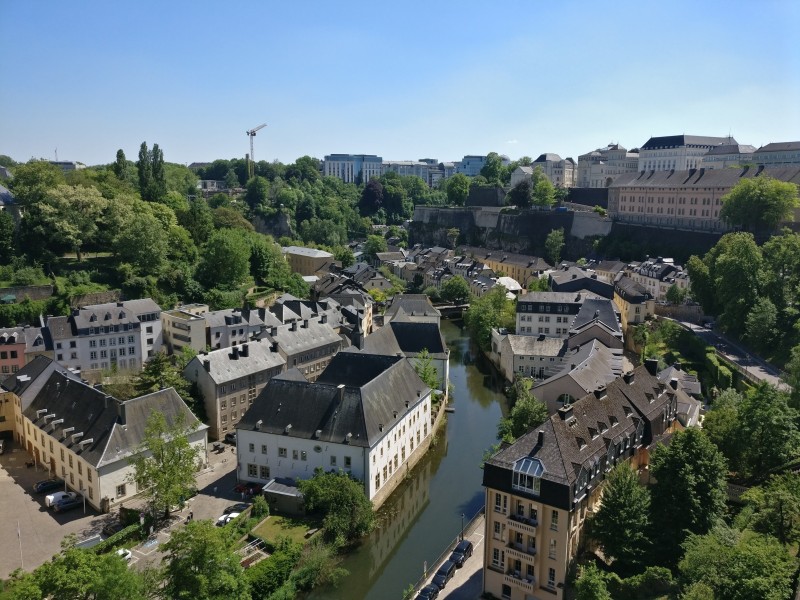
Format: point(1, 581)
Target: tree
point(776, 507)
point(793, 376)
point(144, 168)
point(591, 585)
point(267, 576)
point(165, 462)
point(622, 524)
point(543, 193)
point(6, 237)
point(158, 183)
point(455, 290)
point(161, 372)
point(738, 565)
point(373, 245)
point(257, 193)
point(198, 220)
point(226, 217)
point(521, 194)
point(201, 566)
point(143, 243)
point(689, 493)
point(457, 189)
point(452, 236)
point(526, 414)
point(760, 328)
point(492, 310)
point(225, 261)
point(348, 512)
point(32, 181)
point(344, 255)
point(426, 370)
point(676, 294)
point(371, 198)
point(493, 169)
point(759, 203)
point(721, 424)
point(554, 244)
point(231, 180)
point(120, 166)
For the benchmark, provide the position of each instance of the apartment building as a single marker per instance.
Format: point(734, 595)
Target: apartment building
point(678, 152)
point(367, 415)
point(550, 314)
point(562, 172)
point(657, 275)
point(598, 168)
point(232, 326)
point(633, 301)
point(308, 345)
point(229, 380)
point(541, 489)
point(778, 154)
point(185, 327)
point(726, 156)
point(307, 261)
point(20, 345)
point(353, 168)
point(521, 267)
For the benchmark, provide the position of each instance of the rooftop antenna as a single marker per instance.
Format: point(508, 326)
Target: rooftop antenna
point(56, 154)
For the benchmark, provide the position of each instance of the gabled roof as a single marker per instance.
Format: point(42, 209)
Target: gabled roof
point(591, 365)
point(731, 149)
point(779, 147)
point(355, 401)
point(630, 290)
point(531, 345)
point(702, 178)
point(548, 157)
point(307, 335)
point(408, 337)
point(414, 305)
point(673, 141)
point(29, 377)
point(600, 310)
point(228, 364)
point(233, 317)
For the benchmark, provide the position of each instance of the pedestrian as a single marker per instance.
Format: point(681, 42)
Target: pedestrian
point(191, 516)
point(215, 490)
point(242, 496)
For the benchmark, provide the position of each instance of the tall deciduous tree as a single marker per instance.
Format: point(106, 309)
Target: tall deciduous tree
point(760, 327)
point(759, 203)
point(257, 192)
point(527, 412)
point(371, 198)
point(6, 237)
point(32, 181)
point(426, 370)
point(144, 168)
point(165, 463)
point(554, 244)
point(457, 189)
point(456, 290)
point(198, 220)
point(489, 311)
point(543, 194)
point(622, 525)
point(521, 194)
point(201, 566)
point(225, 260)
point(776, 507)
point(689, 493)
point(591, 585)
point(373, 245)
point(120, 166)
point(143, 243)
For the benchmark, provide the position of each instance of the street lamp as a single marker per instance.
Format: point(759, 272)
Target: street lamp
point(462, 527)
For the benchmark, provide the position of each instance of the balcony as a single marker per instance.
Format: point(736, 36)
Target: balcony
point(520, 551)
point(523, 524)
point(524, 583)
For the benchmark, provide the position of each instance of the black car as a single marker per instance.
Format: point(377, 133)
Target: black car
point(461, 553)
point(429, 592)
point(48, 485)
point(230, 438)
point(444, 574)
point(239, 507)
point(111, 528)
point(68, 504)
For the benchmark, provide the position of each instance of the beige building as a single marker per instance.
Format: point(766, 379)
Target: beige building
point(597, 169)
point(678, 152)
point(681, 199)
point(726, 156)
point(562, 172)
point(633, 302)
point(541, 489)
point(307, 261)
point(184, 327)
point(520, 267)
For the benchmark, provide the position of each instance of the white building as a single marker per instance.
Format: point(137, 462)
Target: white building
point(367, 415)
point(562, 172)
point(778, 153)
point(352, 168)
point(85, 436)
point(596, 169)
point(678, 152)
point(728, 155)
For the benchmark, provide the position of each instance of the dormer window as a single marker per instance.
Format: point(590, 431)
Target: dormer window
point(107, 317)
point(527, 476)
point(613, 420)
point(592, 432)
point(122, 314)
point(93, 318)
point(581, 443)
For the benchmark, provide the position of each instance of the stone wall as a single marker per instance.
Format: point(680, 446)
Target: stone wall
point(34, 292)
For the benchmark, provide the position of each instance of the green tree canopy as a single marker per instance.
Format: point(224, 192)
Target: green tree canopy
point(455, 290)
point(543, 193)
point(257, 191)
point(554, 245)
point(489, 311)
point(33, 180)
point(689, 493)
point(761, 325)
point(374, 244)
point(591, 585)
point(526, 414)
point(225, 261)
point(521, 194)
point(759, 203)
point(622, 525)
point(457, 189)
point(776, 507)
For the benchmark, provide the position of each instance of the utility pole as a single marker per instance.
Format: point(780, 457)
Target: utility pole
point(251, 133)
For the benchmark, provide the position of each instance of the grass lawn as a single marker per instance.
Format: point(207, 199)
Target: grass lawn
point(294, 528)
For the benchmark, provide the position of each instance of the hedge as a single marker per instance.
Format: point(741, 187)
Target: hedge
point(130, 532)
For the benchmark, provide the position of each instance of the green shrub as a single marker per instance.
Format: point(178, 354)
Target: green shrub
point(724, 378)
point(119, 538)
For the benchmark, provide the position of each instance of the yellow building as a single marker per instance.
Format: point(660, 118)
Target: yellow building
point(633, 301)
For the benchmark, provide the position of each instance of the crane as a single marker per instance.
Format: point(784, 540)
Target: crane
point(251, 133)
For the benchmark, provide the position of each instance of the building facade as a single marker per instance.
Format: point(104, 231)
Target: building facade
point(726, 156)
point(778, 154)
point(562, 172)
point(353, 168)
point(678, 152)
point(597, 169)
point(184, 327)
point(307, 261)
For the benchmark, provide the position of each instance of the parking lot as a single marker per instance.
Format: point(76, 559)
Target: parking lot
point(30, 533)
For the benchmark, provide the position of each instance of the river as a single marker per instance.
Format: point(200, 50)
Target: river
point(425, 513)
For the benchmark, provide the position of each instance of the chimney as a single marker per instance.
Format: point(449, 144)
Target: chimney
point(288, 428)
point(340, 388)
point(324, 319)
point(273, 330)
point(540, 438)
point(207, 364)
point(565, 412)
point(274, 347)
point(628, 377)
point(305, 323)
point(651, 364)
point(235, 351)
point(349, 437)
point(600, 392)
point(294, 326)
point(673, 383)
point(259, 423)
point(318, 433)
point(121, 412)
point(394, 412)
point(677, 366)
point(245, 351)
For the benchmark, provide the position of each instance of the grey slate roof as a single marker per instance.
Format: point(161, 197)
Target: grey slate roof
point(702, 178)
point(408, 337)
point(418, 305)
point(780, 147)
point(60, 328)
point(731, 149)
point(228, 364)
point(373, 388)
point(599, 309)
point(28, 377)
point(672, 141)
point(228, 317)
point(630, 290)
point(531, 345)
point(548, 157)
point(559, 297)
point(314, 335)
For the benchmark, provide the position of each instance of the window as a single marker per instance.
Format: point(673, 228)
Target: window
point(282, 452)
point(263, 448)
point(252, 470)
point(554, 521)
point(303, 455)
point(92, 343)
point(263, 472)
point(347, 462)
point(131, 339)
point(333, 461)
point(527, 475)
point(102, 343)
point(496, 558)
point(294, 454)
point(551, 577)
point(89, 475)
point(506, 592)
point(377, 480)
point(497, 530)
point(552, 549)
point(251, 447)
point(223, 403)
point(80, 469)
point(70, 461)
point(121, 490)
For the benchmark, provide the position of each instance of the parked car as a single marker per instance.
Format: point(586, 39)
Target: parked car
point(57, 497)
point(444, 574)
point(110, 529)
point(237, 508)
point(230, 438)
point(47, 485)
point(225, 519)
point(125, 554)
point(68, 504)
point(461, 553)
point(429, 592)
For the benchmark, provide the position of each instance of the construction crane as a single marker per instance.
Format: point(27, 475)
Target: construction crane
point(251, 133)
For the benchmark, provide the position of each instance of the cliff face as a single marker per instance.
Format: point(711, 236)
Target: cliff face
point(516, 231)
point(278, 225)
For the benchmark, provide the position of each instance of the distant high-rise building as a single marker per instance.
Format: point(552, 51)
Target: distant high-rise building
point(353, 168)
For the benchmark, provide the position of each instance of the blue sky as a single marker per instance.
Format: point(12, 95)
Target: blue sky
point(404, 80)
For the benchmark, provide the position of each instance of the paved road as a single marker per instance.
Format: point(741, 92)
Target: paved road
point(752, 366)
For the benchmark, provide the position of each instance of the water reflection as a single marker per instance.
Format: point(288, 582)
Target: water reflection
point(424, 514)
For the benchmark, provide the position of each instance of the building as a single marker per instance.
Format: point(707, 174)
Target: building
point(184, 327)
point(367, 277)
point(470, 165)
point(521, 267)
point(520, 174)
point(232, 326)
point(230, 379)
point(778, 153)
point(726, 156)
point(416, 307)
point(68, 165)
point(562, 172)
point(541, 489)
point(307, 261)
point(550, 314)
point(308, 345)
point(597, 169)
point(657, 275)
point(575, 279)
point(121, 335)
point(85, 436)
point(633, 301)
point(682, 199)
point(607, 270)
point(352, 168)
point(678, 152)
point(367, 415)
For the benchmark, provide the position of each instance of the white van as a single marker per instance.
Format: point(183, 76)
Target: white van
point(52, 499)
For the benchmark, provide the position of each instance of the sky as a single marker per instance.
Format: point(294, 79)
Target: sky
point(403, 80)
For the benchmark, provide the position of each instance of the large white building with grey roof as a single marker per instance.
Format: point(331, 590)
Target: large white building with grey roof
point(367, 415)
